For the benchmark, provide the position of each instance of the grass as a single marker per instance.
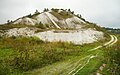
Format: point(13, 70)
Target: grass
point(22, 54)
point(111, 58)
point(90, 68)
point(64, 67)
point(62, 15)
point(29, 55)
point(70, 60)
point(4, 52)
point(10, 26)
point(93, 64)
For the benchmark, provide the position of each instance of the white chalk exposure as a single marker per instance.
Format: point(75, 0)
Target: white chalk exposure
point(80, 36)
point(20, 32)
point(52, 18)
point(25, 20)
point(49, 19)
point(76, 37)
point(73, 36)
point(43, 19)
point(73, 22)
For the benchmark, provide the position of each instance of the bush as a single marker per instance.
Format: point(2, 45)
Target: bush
point(27, 53)
point(112, 57)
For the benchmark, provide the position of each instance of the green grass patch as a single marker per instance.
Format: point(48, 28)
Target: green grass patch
point(22, 54)
point(62, 15)
point(111, 57)
point(93, 65)
point(10, 26)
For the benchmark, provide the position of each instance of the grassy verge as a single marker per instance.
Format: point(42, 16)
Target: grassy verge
point(23, 54)
point(93, 64)
point(111, 57)
point(62, 15)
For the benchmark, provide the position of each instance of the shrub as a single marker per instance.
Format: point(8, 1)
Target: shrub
point(112, 57)
point(28, 53)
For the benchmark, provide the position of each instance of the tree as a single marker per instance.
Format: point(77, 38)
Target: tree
point(46, 9)
point(30, 15)
point(72, 12)
point(69, 10)
point(40, 23)
point(8, 21)
point(80, 16)
point(36, 12)
point(11, 21)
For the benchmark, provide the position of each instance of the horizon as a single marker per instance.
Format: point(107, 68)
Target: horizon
point(103, 13)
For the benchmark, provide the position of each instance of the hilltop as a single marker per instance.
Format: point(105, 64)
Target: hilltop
point(54, 18)
point(54, 25)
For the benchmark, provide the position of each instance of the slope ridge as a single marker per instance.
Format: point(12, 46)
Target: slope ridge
point(49, 18)
point(48, 27)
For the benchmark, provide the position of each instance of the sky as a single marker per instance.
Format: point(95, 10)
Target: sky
point(102, 12)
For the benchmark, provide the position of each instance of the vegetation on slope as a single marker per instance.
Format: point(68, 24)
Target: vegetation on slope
point(112, 59)
point(11, 26)
point(20, 54)
point(63, 14)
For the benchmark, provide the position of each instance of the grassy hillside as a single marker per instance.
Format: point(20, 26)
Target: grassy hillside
point(21, 54)
point(30, 55)
point(112, 59)
point(63, 14)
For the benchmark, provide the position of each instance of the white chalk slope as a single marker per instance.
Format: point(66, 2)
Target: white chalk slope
point(73, 36)
point(76, 36)
point(51, 20)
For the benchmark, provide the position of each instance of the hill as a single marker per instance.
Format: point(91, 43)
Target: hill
point(56, 42)
point(54, 25)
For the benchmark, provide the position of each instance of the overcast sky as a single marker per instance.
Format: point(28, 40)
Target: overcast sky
point(103, 12)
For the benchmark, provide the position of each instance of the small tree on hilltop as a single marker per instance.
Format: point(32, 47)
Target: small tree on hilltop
point(11, 21)
point(8, 21)
point(36, 12)
point(46, 9)
point(29, 15)
point(72, 12)
point(69, 10)
point(80, 16)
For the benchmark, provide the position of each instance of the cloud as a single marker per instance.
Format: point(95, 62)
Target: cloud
point(104, 12)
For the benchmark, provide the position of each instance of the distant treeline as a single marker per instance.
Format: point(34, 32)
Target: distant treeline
point(113, 30)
